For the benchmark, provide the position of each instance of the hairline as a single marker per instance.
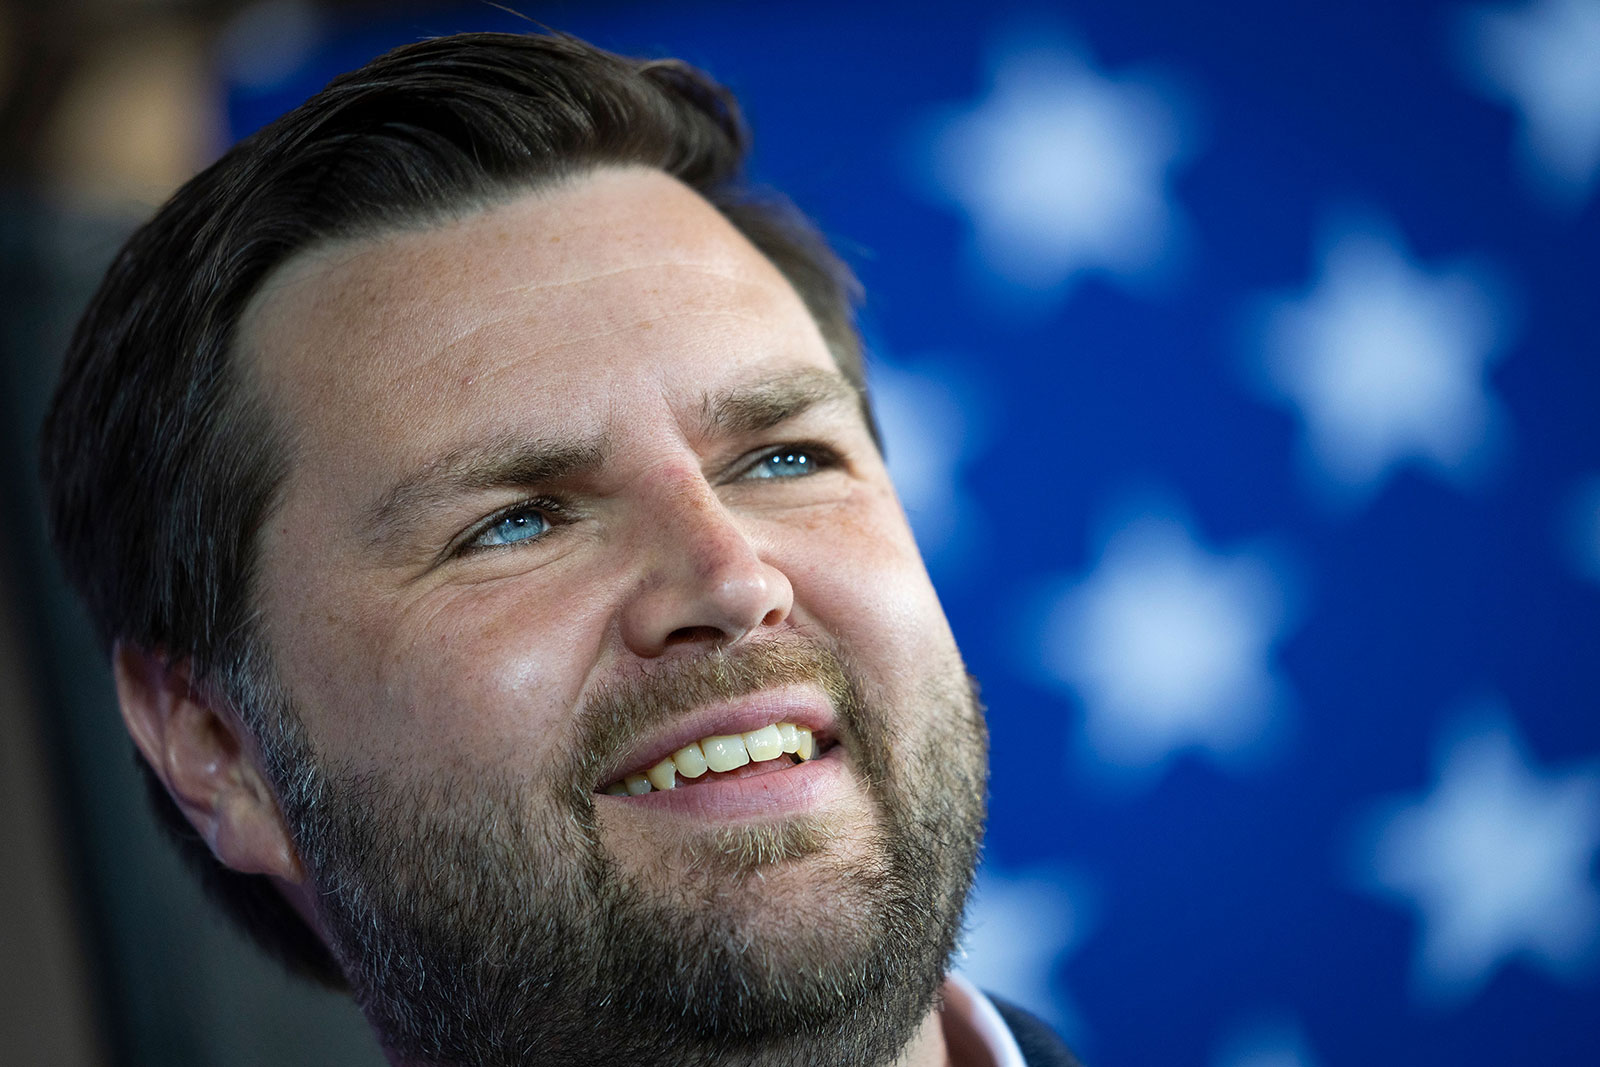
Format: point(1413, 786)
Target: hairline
point(199, 467)
point(251, 397)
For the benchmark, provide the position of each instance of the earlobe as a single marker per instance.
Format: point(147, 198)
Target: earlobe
point(197, 747)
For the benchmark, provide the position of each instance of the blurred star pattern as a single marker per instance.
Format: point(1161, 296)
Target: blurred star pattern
point(1539, 58)
point(1324, 275)
point(1061, 168)
point(1385, 362)
point(1495, 859)
point(1169, 646)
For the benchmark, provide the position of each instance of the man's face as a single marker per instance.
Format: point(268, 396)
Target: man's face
point(575, 482)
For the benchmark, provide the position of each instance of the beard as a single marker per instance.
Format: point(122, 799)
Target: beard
point(482, 920)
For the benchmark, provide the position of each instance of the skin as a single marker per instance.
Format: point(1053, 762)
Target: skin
point(611, 310)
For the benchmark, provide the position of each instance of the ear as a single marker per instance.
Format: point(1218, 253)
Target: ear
point(194, 742)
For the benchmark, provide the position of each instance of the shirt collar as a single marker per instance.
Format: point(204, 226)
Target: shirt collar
point(972, 1024)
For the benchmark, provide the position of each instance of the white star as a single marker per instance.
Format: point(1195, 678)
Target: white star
point(1061, 169)
point(1386, 363)
point(933, 422)
point(1544, 59)
point(1169, 646)
point(1496, 860)
point(1019, 929)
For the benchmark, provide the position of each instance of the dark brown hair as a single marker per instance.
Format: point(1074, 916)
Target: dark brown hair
point(159, 466)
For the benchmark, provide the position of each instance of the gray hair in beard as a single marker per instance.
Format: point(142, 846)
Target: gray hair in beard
point(481, 921)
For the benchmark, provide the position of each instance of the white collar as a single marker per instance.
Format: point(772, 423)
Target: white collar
point(971, 1021)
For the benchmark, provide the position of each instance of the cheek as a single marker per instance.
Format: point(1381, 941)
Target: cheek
point(476, 677)
point(861, 579)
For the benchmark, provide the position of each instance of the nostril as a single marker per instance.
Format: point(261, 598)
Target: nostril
point(695, 634)
point(772, 618)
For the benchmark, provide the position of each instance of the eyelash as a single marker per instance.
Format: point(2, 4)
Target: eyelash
point(546, 508)
point(822, 457)
point(552, 512)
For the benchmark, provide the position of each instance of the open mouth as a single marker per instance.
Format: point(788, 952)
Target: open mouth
point(725, 756)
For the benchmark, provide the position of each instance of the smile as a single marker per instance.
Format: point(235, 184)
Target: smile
point(721, 755)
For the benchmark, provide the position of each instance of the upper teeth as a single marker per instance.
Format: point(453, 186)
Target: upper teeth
point(719, 752)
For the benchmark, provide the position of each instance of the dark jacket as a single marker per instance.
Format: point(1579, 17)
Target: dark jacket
point(1040, 1046)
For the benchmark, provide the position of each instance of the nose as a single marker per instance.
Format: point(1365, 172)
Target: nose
point(703, 579)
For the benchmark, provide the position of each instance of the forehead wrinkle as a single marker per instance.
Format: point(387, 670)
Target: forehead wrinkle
point(601, 333)
point(506, 460)
point(706, 269)
point(680, 311)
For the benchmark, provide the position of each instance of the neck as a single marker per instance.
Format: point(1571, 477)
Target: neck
point(928, 1048)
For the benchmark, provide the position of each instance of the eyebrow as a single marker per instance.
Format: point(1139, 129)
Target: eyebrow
point(525, 462)
point(509, 459)
point(765, 404)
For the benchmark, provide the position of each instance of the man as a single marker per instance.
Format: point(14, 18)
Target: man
point(477, 492)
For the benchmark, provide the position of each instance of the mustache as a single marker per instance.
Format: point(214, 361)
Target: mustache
point(617, 712)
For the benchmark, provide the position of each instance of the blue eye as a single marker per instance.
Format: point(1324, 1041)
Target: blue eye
point(789, 463)
point(515, 528)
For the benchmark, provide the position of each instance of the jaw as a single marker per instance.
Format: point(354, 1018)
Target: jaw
point(816, 936)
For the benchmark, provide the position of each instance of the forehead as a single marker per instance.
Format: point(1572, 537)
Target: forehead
point(598, 292)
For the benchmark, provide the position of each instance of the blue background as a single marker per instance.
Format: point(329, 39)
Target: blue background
point(1210, 902)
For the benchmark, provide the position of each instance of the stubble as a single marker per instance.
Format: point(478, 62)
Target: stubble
point(483, 922)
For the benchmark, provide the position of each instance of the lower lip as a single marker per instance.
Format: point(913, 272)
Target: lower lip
point(802, 787)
